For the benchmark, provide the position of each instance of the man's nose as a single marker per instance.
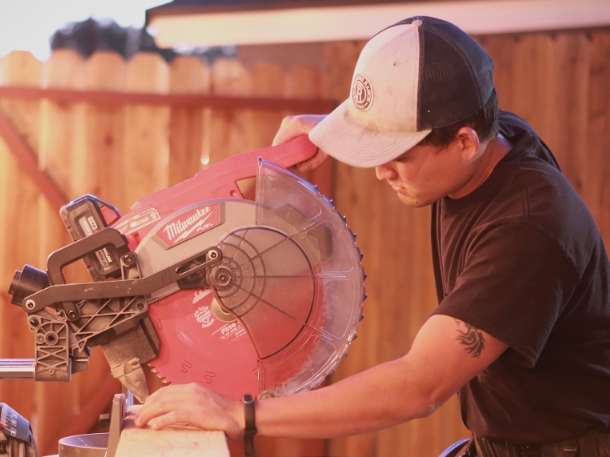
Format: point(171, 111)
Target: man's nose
point(384, 172)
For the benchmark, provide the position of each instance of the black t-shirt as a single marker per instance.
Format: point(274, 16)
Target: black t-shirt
point(521, 258)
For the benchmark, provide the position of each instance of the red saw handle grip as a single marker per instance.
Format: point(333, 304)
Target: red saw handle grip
point(220, 180)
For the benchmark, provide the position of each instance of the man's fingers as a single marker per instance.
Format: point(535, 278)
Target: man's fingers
point(170, 418)
point(287, 131)
point(151, 410)
point(294, 126)
point(162, 401)
point(314, 162)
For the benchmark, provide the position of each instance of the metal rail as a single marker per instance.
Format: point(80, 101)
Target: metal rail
point(17, 368)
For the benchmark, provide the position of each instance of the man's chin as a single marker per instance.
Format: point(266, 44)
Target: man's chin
point(413, 201)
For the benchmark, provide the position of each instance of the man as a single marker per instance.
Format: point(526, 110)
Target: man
point(522, 329)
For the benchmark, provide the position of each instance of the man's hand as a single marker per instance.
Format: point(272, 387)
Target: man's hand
point(195, 405)
point(294, 126)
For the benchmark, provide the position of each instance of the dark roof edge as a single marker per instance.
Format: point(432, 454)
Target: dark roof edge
point(172, 9)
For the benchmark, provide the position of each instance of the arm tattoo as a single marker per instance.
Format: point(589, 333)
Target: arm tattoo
point(472, 338)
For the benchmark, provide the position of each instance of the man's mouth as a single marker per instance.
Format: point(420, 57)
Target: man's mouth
point(396, 188)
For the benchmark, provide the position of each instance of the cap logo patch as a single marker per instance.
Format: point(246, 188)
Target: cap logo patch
point(362, 92)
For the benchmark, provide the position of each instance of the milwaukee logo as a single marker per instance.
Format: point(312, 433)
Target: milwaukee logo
point(190, 224)
point(174, 229)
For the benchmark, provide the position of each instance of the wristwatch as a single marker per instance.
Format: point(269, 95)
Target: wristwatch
point(250, 429)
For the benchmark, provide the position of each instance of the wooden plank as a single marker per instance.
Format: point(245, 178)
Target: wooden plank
point(19, 226)
point(99, 169)
point(187, 75)
point(502, 51)
point(175, 441)
point(597, 192)
point(532, 97)
point(146, 130)
point(339, 62)
point(226, 128)
point(570, 86)
point(267, 80)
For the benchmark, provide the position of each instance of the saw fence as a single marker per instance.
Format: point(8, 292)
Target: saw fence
point(122, 130)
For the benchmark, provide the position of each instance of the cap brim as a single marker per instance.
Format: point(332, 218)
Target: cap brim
point(344, 138)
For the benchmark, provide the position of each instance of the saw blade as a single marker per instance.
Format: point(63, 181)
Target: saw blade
point(199, 342)
point(286, 296)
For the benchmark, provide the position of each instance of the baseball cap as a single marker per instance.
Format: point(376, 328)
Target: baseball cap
point(416, 75)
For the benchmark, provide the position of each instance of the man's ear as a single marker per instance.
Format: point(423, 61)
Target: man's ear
point(468, 143)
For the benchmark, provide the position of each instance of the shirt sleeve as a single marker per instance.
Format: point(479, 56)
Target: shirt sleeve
point(514, 284)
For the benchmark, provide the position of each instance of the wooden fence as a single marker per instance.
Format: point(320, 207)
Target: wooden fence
point(121, 130)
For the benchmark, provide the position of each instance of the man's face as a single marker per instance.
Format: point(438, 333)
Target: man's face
point(425, 174)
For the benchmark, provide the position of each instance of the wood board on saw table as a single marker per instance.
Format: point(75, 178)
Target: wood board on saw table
point(169, 442)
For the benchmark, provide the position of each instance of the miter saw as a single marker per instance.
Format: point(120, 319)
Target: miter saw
point(260, 297)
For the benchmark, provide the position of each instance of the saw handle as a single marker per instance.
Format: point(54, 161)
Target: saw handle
point(244, 166)
point(220, 180)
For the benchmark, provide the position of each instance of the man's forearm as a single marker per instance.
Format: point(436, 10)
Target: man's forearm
point(380, 397)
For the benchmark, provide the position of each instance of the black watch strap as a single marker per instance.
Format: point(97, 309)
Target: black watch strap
point(250, 429)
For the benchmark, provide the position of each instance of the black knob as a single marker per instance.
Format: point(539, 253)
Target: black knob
point(26, 283)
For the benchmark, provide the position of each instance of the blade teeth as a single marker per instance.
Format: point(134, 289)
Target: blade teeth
point(328, 201)
point(352, 234)
point(360, 254)
point(157, 374)
point(342, 217)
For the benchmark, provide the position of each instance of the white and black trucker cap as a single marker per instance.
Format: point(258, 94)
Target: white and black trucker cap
point(418, 74)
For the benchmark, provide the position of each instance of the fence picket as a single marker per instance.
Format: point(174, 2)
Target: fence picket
point(597, 194)
point(226, 127)
point(146, 130)
point(20, 226)
point(188, 75)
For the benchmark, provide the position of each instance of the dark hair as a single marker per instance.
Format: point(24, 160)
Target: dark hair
point(484, 122)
